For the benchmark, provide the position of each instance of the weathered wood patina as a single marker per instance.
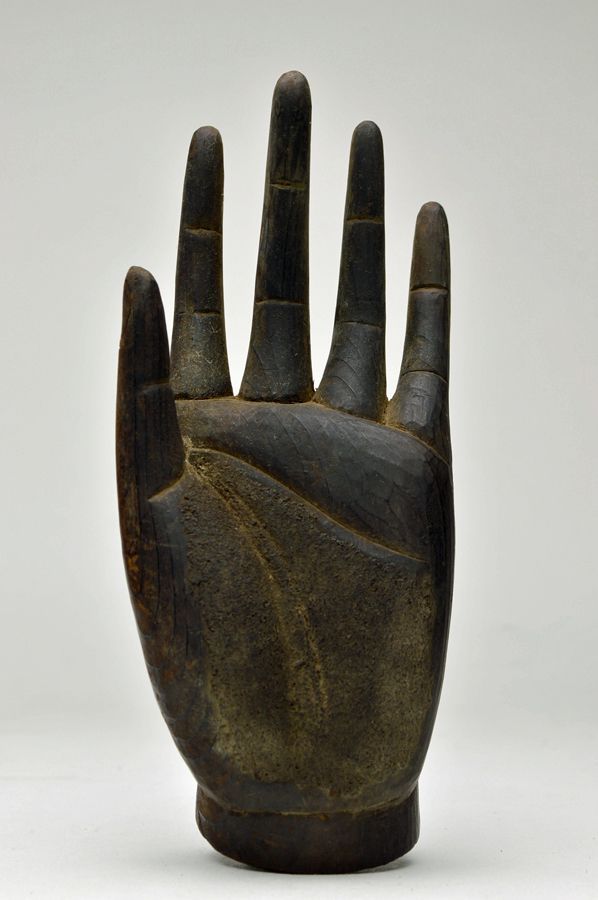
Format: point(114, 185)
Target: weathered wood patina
point(289, 550)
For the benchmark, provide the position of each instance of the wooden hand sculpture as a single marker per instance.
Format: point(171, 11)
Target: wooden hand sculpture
point(289, 551)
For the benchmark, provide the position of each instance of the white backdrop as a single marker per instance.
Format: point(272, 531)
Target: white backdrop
point(489, 108)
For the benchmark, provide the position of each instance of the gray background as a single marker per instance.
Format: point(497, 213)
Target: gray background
point(489, 108)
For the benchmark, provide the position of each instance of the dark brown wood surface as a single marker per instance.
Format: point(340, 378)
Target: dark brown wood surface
point(289, 551)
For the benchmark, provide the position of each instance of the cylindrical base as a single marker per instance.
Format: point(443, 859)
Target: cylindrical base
point(311, 843)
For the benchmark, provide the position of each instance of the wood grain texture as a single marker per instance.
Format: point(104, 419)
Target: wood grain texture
point(289, 552)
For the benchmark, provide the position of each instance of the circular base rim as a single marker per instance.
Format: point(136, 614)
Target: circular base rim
point(311, 843)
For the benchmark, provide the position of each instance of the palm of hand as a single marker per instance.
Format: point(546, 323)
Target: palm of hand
point(289, 553)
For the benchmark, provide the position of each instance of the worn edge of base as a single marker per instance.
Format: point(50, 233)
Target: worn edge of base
point(318, 843)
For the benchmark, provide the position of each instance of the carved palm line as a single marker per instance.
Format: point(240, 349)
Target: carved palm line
point(294, 627)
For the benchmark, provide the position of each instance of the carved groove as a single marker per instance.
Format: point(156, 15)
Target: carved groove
point(374, 220)
point(439, 288)
point(198, 229)
point(288, 185)
point(424, 372)
point(419, 440)
point(352, 531)
point(279, 301)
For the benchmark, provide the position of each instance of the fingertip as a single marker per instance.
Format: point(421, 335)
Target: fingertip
point(204, 181)
point(431, 255)
point(136, 284)
point(292, 89)
point(206, 133)
point(140, 286)
point(206, 139)
point(144, 334)
point(365, 193)
point(137, 276)
point(367, 131)
point(205, 164)
point(432, 214)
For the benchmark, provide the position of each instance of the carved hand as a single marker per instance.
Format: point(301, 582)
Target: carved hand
point(289, 552)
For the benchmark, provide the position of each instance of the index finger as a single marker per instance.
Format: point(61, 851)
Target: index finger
point(199, 359)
